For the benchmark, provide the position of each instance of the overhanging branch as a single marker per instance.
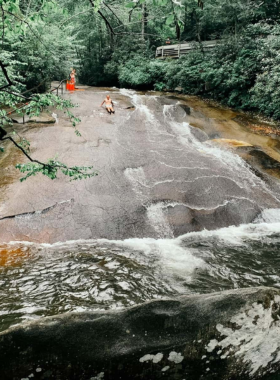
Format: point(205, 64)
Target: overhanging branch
point(106, 5)
point(106, 22)
point(104, 18)
point(2, 133)
point(58, 166)
point(5, 72)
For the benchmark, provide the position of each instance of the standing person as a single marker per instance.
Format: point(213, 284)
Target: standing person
point(108, 104)
point(168, 42)
point(73, 77)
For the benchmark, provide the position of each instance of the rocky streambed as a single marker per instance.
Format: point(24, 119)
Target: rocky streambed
point(130, 275)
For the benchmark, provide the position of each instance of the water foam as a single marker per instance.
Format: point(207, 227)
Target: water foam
point(159, 221)
point(166, 255)
point(254, 340)
point(269, 216)
point(236, 235)
point(137, 177)
point(186, 137)
point(154, 128)
point(235, 164)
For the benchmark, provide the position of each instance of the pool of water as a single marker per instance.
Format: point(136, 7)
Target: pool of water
point(41, 280)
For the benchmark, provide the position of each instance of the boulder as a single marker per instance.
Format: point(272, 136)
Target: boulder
point(178, 89)
point(228, 335)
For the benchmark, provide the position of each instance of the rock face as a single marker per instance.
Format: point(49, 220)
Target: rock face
point(44, 118)
point(159, 177)
point(229, 335)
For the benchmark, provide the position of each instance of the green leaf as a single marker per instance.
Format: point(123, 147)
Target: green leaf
point(170, 20)
point(130, 5)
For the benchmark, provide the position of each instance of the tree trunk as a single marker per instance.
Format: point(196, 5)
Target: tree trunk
point(197, 26)
point(144, 11)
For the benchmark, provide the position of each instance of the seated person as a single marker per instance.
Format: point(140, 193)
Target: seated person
point(108, 104)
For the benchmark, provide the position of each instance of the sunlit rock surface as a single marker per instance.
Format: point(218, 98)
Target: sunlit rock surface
point(229, 335)
point(160, 174)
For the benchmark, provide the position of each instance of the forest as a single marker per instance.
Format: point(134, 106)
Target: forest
point(113, 43)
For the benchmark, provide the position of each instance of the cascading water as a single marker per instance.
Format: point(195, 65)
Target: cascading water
point(207, 222)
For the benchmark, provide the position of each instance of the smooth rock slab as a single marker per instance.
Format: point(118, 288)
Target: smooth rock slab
point(228, 335)
point(159, 177)
point(41, 119)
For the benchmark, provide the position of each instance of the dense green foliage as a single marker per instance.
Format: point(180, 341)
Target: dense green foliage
point(241, 72)
point(113, 43)
point(34, 51)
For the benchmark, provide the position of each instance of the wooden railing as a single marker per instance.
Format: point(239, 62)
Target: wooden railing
point(60, 85)
point(176, 51)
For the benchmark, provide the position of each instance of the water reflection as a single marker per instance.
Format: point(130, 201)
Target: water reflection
point(43, 280)
point(40, 281)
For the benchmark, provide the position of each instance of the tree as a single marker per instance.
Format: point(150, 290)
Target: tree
point(113, 43)
point(22, 29)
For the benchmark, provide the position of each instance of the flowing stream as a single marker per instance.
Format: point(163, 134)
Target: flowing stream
point(208, 222)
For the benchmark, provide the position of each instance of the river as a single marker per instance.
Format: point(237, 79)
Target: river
point(187, 201)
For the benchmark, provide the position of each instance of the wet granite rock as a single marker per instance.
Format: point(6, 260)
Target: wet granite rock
point(178, 89)
point(155, 161)
point(41, 119)
point(228, 335)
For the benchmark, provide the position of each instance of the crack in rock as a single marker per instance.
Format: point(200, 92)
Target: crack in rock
point(44, 211)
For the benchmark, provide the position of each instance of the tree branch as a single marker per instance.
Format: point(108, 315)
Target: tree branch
point(131, 11)
point(2, 133)
point(107, 22)
point(23, 151)
point(3, 20)
point(5, 72)
point(200, 4)
point(31, 159)
point(106, 5)
point(77, 14)
point(32, 31)
point(16, 94)
point(104, 18)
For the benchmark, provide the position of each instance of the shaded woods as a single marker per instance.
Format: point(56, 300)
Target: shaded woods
point(113, 43)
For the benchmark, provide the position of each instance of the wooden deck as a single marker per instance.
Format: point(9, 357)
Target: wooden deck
point(176, 51)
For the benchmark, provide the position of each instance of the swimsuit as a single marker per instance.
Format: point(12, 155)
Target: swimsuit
point(73, 79)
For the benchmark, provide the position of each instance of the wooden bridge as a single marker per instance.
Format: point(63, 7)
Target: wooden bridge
point(176, 51)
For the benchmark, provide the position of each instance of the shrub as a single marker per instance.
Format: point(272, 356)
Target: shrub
point(140, 72)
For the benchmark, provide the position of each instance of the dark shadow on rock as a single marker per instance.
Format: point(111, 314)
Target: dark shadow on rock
point(186, 108)
point(194, 337)
point(264, 166)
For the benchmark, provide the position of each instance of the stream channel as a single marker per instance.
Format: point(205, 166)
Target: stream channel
point(187, 200)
